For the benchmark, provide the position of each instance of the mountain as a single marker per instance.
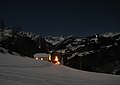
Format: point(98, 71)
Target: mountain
point(54, 40)
point(96, 53)
point(17, 70)
point(24, 43)
point(99, 53)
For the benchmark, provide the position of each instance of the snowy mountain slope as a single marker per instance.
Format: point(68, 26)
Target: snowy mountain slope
point(98, 53)
point(110, 34)
point(15, 70)
point(54, 40)
point(91, 53)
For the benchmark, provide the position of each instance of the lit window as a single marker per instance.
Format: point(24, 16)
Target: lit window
point(36, 58)
point(41, 58)
point(49, 56)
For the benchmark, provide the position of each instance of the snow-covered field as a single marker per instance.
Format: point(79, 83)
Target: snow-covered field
point(16, 70)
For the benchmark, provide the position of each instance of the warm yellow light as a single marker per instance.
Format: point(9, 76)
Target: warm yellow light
point(57, 62)
point(41, 58)
point(36, 58)
point(49, 56)
point(56, 58)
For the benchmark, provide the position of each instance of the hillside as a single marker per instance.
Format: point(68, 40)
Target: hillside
point(96, 53)
point(16, 70)
point(99, 53)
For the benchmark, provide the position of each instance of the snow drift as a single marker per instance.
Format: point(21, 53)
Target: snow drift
point(16, 70)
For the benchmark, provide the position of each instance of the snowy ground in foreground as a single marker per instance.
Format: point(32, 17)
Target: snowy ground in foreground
point(15, 70)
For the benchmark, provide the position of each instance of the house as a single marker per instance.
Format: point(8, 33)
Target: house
point(54, 58)
point(42, 56)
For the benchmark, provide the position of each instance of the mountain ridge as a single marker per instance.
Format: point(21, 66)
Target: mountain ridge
point(98, 52)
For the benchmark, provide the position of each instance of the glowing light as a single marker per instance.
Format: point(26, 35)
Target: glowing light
point(49, 56)
point(36, 58)
point(57, 60)
point(41, 58)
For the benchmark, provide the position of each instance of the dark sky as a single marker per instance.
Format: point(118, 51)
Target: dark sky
point(80, 18)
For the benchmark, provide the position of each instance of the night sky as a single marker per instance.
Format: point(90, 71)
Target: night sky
point(79, 18)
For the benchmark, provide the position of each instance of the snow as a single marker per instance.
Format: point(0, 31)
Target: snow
point(110, 34)
point(80, 54)
point(40, 55)
point(16, 70)
point(54, 40)
point(73, 55)
point(69, 46)
point(73, 48)
point(78, 39)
